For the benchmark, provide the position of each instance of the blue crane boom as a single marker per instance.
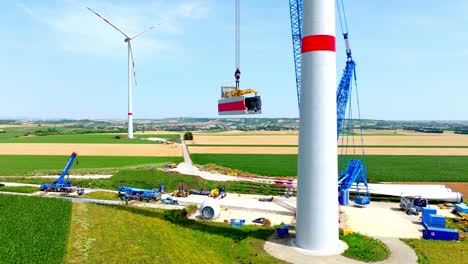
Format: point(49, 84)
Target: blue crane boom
point(66, 170)
point(295, 8)
point(61, 185)
point(355, 171)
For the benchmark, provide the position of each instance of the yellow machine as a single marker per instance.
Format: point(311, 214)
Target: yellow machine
point(238, 92)
point(214, 193)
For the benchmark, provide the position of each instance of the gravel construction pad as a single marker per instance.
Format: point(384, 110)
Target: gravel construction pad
point(381, 220)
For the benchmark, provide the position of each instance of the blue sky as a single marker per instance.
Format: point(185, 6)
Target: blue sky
point(60, 61)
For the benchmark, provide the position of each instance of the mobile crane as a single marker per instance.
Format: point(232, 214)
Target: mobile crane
point(61, 185)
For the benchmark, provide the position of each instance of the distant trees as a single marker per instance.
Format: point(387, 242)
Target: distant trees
point(188, 135)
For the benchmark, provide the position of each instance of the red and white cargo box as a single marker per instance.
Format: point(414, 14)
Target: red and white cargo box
point(239, 105)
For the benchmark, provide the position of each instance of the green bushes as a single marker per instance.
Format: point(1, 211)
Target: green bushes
point(188, 135)
point(33, 229)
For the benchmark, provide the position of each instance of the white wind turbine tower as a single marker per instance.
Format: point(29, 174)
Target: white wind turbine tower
point(131, 65)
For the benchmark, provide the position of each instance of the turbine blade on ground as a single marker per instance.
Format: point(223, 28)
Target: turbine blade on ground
point(107, 21)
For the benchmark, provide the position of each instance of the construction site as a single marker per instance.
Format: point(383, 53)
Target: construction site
point(332, 191)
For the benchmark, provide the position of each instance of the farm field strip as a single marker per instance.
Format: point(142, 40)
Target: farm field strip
point(91, 149)
point(14, 165)
point(101, 138)
point(349, 146)
point(380, 168)
point(369, 140)
point(425, 151)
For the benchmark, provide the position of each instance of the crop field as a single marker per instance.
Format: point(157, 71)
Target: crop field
point(116, 234)
point(149, 150)
point(379, 168)
point(85, 138)
point(40, 165)
point(33, 229)
point(252, 139)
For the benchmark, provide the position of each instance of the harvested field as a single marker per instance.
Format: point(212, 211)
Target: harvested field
point(242, 150)
point(246, 133)
point(418, 140)
point(90, 149)
point(294, 150)
point(291, 138)
point(418, 151)
point(252, 139)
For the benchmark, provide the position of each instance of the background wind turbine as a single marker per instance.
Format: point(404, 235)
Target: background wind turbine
point(131, 65)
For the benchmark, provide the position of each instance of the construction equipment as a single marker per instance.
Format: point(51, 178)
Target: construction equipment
point(61, 185)
point(181, 192)
point(129, 193)
point(412, 205)
point(355, 171)
point(218, 193)
point(233, 101)
point(266, 199)
point(200, 192)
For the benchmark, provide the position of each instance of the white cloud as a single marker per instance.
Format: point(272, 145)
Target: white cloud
point(79, 30)
point(25, 9)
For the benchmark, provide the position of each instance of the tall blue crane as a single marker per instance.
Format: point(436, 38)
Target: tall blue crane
point(295, 10)
point(355, 171)
point(61, 185)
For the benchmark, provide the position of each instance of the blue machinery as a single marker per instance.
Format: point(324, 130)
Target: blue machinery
point(61, 185)
point(355, 171)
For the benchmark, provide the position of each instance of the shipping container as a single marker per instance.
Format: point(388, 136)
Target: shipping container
point(440, 234)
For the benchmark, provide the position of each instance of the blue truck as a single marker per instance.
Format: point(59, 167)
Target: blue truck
point(129, 193)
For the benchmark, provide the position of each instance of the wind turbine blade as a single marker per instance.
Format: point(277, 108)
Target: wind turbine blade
point(133, 63)
point(141, 33)
point(107, 21)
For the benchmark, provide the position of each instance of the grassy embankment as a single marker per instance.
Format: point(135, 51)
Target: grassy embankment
point(379, 168)
point(436, 251)
point(96, 237)
point(364, 248)
point(33, 229)
point(19, 189)
point(151, 178)
point(41, 165)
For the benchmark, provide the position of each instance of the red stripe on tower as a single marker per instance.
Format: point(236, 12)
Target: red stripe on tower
point(318, 43)
point(130, 113)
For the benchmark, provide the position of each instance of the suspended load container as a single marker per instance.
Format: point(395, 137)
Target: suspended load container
point(233, 102)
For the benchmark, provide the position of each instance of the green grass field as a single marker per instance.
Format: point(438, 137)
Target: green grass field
point(40, 165)
point(84, 138)
point(439, 252)
point(150, 179)
point(271, 165)
point(33, 229)
point(119, 234)
point(379, 168)
point(19, 189)
point(364, 248)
